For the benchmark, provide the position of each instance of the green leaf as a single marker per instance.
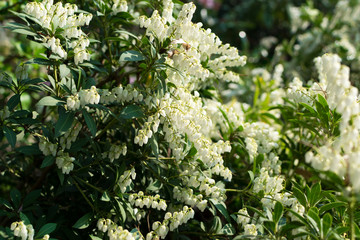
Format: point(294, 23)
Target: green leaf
point(83, 222)
point(10, 135)
point(313, 216)
point(40, 61)
point(216, 225)
point(4, 202)
point(131, 111)
point(154, 147)
point(64, 123)
point(221, 207)
point(300, 196)
point(95, 237)
point(326, 222)
point(121, 210)
point(315, 195)
point(31, 197)
point(323, 102)
point(24, 218)
point(15, 196)
point(228, 229)
point(329, 206)
point(290, 226)
point(46, 229)
point(132, 56)
point(51, 101)
point(48, 160)
point(13, 101)
point(278, 212)
point(105, 197)
point(89, 122)
point(24, 31)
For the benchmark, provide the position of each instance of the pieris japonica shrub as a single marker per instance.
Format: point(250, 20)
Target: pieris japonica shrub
point(129, 131)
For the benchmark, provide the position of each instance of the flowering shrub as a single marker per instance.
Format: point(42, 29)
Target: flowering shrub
point(129, 131)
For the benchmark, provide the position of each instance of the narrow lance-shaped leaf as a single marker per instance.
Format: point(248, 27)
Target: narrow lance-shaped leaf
point(89, 122)
point(64, 123)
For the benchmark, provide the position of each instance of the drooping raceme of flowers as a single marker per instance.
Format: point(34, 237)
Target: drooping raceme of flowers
point(52, 17)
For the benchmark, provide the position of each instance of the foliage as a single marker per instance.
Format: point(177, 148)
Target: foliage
point(126, 120)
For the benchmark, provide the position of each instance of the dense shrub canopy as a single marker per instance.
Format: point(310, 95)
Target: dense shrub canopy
point(131, 120)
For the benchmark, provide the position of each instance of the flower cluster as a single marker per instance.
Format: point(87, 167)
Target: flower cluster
point(140, 200)
point(121, 94)
point(70, 136)
point(53, 17)
point(187, 196)
point(339, 155)
point(26, 232)
point(114, 231)
point(125, 179)
point(47, 148)
point(171, 222)
point(115, 151)
point(65, 162)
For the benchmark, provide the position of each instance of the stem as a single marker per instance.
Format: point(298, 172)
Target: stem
point(56, 81)
point(351, 213)
point(83, 194)
point(89, 184)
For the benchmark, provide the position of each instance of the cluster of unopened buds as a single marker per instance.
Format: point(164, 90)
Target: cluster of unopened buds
point(114, 231)
point(171, 222)
point(126, 179)
point(47, 148)
point(65, 162)
point(140, 200)
point(115, 151)
point(26, 232)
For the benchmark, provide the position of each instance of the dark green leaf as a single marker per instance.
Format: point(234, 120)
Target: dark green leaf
point(300, 196)
point(24, 218)
point(40, 61)
point(15, 196)
point(278, 212)
point(221, 207)
point(315, 195)
point(48, 160)
point(228, 229)
point(10, 135)
point(31, 197)
point(131, 111)
point(327, 222)
point(24, 31)
point(329, 206)
point(64, 123)
point(46, 229)
point(13, 101)
point(131, 56)
point(89, 122)
point(83, 222)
